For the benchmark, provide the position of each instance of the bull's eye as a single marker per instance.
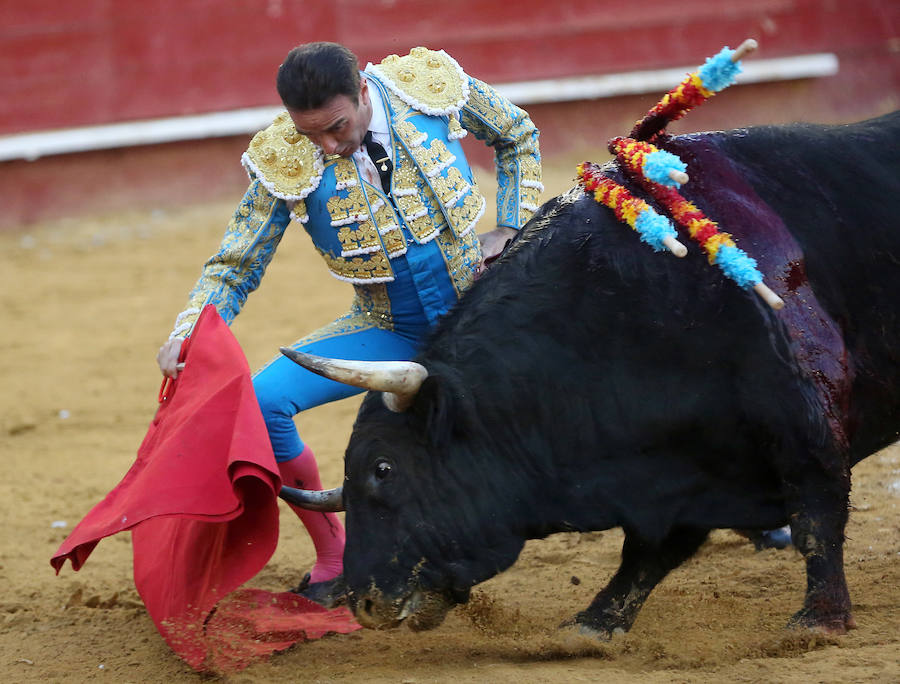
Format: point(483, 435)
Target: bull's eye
point(382, 469)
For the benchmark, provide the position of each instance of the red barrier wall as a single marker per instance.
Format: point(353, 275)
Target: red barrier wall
point(67, 64)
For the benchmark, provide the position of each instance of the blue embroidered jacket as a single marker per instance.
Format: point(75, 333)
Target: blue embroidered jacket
point(423, 233)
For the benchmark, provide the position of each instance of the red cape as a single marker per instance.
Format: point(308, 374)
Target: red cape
point(201, 503)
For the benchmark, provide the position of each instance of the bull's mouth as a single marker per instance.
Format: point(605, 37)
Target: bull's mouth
point(420, 610)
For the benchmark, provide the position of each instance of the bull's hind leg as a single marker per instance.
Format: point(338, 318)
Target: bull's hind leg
point(643, 566)
point(818, 533)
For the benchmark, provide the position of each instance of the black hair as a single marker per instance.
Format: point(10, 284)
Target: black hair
point(313, 73)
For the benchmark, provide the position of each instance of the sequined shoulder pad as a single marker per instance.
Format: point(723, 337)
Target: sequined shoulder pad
point(427, 80)
point(288, 164)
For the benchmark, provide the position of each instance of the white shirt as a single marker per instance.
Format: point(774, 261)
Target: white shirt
point(379, 123)
point(380, 133)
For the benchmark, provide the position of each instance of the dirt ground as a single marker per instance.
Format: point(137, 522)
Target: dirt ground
point(84, 306)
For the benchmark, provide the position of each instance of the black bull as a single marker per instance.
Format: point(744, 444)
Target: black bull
point(586, 382)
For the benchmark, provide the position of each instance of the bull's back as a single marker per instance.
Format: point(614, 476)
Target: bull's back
point(835, 189)
point(579, 302)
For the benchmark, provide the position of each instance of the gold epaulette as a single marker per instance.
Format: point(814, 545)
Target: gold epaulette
point(427, 80)
point(287, 163)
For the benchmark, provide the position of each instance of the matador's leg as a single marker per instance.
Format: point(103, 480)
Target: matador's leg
point(284, 389)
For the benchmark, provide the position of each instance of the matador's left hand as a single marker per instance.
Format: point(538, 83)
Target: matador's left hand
point(493, 243)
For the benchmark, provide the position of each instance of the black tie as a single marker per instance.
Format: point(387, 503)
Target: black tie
point(381, 159)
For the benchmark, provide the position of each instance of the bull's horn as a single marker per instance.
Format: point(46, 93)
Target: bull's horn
point(327, 501)
point(399, 380)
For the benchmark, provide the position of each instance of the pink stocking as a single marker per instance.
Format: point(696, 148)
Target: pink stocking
point(325, 529)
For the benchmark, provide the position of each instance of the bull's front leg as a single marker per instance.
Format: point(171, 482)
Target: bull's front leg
point(817, 531)
point(643, 566)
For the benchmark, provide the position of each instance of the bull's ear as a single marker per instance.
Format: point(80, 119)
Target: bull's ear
point(441, 409)
point(431, 410)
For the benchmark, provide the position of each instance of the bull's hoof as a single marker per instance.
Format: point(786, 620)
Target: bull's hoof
point(427, 610)
point(574, 626)
point(832, 625)
point(330, 594)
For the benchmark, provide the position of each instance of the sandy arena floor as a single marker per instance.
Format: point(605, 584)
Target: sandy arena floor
point(84, 306)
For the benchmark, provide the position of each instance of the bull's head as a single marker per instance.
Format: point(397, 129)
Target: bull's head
point(417, 540)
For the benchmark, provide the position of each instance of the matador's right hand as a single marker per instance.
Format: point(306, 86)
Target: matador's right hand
point(167, 358)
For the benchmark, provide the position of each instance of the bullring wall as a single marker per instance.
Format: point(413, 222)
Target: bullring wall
point(68, 65)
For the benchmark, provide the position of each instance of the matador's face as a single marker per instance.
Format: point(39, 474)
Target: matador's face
point(338, 126)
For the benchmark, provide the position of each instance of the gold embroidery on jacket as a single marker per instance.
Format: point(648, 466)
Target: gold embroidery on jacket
point(298, 212)
point(508, 129)
point(373, 267)
point(432, 174)
point(451, 188)
point(349, 209)
point(286, 162)
point(529, 203)
point(385, 218)
point(462, 256)
point(374, 304)
point(405, 177)
point(362, 240)
point(465, 215)
point(410, 194)
point(415, 215)
point(428, 80)
point(389, 229)
point(394, 242)
point(434, 159)
point(411, 136)
point(531, 171)
point(345, 174)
